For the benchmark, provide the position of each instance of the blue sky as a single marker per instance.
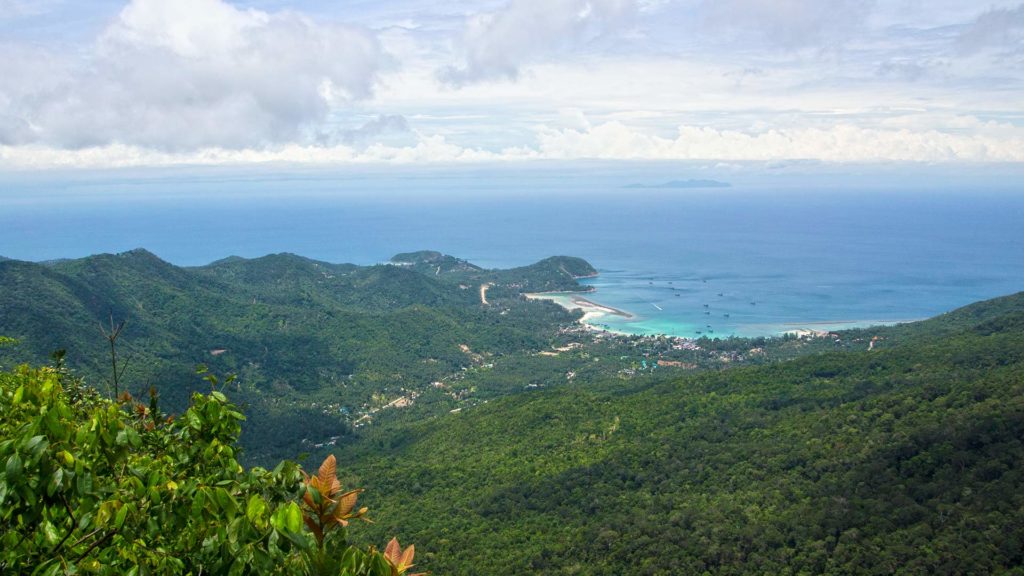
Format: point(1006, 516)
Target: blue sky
point(106, 84)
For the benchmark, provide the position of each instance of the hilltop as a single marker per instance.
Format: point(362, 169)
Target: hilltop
point(312, 342)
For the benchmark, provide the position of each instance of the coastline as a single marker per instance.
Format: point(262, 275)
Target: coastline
point(592, 311)
point(595, 312)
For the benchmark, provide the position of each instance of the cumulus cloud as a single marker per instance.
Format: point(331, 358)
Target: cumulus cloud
point(206, 81)
point(497, 44)
point(910, 139)
point(970, 141)
point(188, 74)
point(426, 149)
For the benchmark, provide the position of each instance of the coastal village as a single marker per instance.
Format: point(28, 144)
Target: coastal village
point(584, 347)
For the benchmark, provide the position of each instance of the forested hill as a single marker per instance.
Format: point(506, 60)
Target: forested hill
point(504, 440)
point(907, 459)
point(312, 343)
point(995, 314)
point(557, 273)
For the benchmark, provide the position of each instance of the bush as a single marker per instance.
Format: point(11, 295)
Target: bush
point(90, 485)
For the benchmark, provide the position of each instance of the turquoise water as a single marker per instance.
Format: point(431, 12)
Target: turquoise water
point(772, 259)
point(677, 308)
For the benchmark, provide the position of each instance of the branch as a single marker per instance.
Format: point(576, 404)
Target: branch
point(73, 524)
point(95, 544)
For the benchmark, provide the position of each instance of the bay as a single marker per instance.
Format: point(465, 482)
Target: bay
point(748, 260)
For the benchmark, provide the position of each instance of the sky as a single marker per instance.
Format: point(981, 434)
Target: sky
point(105, 84)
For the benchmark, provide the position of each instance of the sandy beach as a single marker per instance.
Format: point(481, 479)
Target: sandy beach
point(825, 327)
point(592, 311)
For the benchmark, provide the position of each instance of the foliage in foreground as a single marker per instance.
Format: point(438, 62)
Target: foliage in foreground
point(89, 485)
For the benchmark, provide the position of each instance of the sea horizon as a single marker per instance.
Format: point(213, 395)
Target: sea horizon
point(747, 260)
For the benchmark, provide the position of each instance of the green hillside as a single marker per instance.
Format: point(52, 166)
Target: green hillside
point(557, 273)
point(313, 344)
point(503, 438)
point(434, 263)
point(903, 460)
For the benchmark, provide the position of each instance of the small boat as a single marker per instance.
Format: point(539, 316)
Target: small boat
point(720, 294)
point(705, 305)
point(726, 315)
point(707, 313)
point(656, 306)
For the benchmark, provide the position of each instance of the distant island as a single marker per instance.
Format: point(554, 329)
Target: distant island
point(681, 184)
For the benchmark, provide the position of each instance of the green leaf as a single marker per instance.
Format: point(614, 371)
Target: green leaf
point(36, 444)
point(66, 457)
point(133, 437)
point(55, 481)
point(85, 484)
point(255, 509)
point(13, 468)
point(49, 568)
point(293, 518)
point(50, 531)
point(121, 515)
point(287, 519)
point(226, 502)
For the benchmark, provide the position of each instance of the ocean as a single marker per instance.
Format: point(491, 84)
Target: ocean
point(753, 259)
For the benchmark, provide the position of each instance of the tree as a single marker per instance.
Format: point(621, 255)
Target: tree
point(104, 486)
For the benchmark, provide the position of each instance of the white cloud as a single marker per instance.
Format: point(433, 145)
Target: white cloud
point(206, 81)
point(914, 138)
point(496, 44)
point(427, 149)
point(189, 74)
point(968, 140)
